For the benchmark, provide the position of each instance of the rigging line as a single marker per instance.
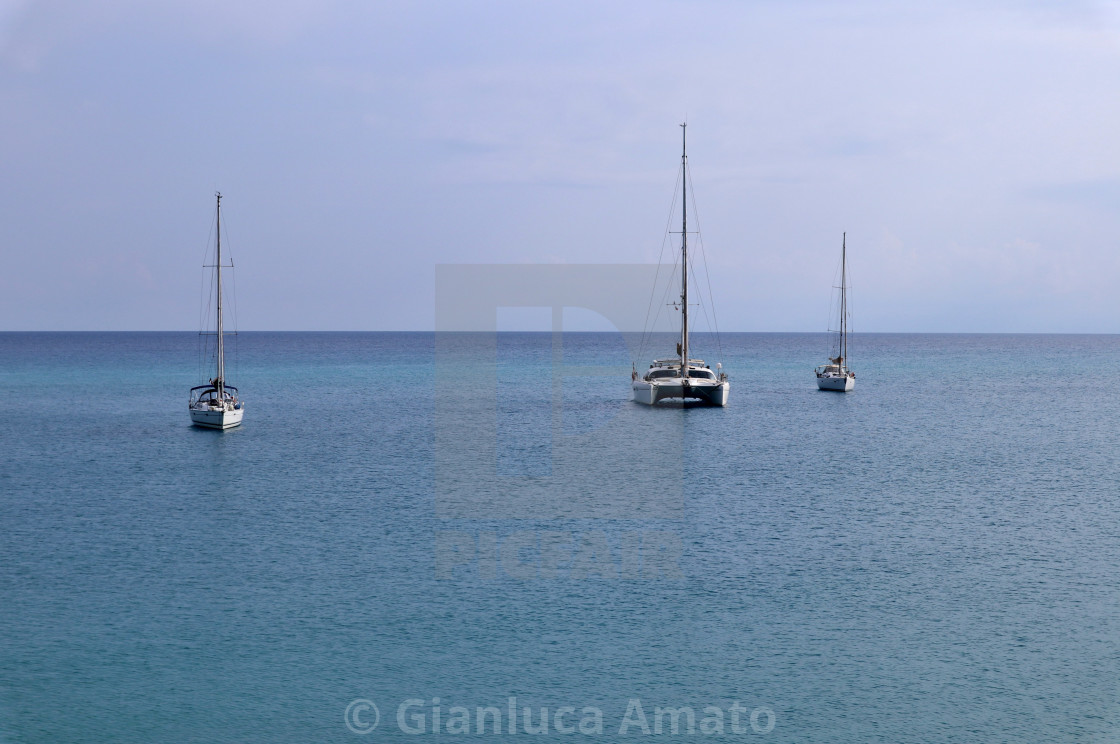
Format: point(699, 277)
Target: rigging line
point(209, 301)
point(652, 293)
point(206, 317)
point(713, 321)
point(704, 309)
point(201, 320)
point(657, 274)
point(204, 302)
point(700, 297)
point(647, 331)
point(203, 299)
point(235, 346)
point(848, 305)
point(233, 274)
point(665, 295)
point(232, 295)
point(704, 306)
point(704, 255)
point(833, 302)
point(207, 356)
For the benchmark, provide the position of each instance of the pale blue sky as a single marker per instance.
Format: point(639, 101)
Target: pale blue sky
point(971, 150)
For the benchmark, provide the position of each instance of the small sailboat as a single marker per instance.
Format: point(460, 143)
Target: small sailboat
point(836, 375)
point(682, 377)
point(216, 405)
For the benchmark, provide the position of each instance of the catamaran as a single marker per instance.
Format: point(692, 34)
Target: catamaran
point(835, 375)
point(216, 405)
point(682, 377)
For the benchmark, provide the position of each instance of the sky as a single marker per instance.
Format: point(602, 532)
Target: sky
point(970, 151)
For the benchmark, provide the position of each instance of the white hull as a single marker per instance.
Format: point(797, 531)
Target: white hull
point(217, 418)
point(840, 384)
point(653, 392)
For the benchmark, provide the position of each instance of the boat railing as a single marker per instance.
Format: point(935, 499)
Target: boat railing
point(676, 361)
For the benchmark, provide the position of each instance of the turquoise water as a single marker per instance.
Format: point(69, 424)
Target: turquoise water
point(932, 557)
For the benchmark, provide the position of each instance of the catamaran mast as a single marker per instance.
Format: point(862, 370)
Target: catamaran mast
point(684, 251)
point(219, 382)
point(843, 301)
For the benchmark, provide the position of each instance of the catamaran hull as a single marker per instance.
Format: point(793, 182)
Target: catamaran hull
point(838, 384)
point(650, 393)
point(217, 419)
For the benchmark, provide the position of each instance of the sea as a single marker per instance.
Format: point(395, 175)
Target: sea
point(478, 537)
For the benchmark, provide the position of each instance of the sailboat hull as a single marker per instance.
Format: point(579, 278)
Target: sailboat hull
point(215, 418)
point(839, 384)
point(652, 393)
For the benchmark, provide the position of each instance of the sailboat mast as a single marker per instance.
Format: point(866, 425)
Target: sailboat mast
point(684, 250)
point(844, 300)
point(219, 382)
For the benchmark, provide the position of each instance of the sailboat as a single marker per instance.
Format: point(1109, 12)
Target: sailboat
point(835, 375)
point(681, 377)
point(216, 405)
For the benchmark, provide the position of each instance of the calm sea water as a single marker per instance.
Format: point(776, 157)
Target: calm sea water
point(932, 557)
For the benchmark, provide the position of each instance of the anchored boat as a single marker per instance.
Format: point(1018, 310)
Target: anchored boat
point(682, 377)
point(216, 404)
point(836, 375)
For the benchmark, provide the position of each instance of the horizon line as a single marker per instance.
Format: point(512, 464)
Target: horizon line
point(706, 333)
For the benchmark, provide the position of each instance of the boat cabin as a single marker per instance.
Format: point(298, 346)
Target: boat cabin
point(833, 370)
point(663, 368)
point(207, 395)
